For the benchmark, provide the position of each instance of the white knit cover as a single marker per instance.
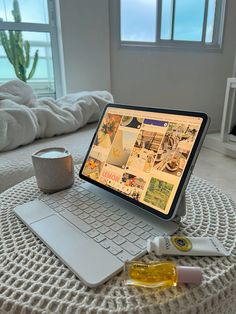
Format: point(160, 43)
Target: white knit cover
point(33, 280)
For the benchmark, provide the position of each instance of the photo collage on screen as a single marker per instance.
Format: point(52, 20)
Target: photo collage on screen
point(140, 157)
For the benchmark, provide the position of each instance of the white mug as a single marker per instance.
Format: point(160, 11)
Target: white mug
point(54, 169)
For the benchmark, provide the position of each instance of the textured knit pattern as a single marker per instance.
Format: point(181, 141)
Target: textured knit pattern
point(33, 280)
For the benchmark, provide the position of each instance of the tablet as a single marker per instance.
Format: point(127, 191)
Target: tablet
point(145, 155)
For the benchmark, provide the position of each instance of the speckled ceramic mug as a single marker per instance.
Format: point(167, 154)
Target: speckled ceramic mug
point(54, 169)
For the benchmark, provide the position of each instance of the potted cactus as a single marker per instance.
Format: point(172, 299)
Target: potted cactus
point(17, 49)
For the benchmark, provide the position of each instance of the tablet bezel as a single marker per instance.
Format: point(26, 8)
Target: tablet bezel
point(188, 168)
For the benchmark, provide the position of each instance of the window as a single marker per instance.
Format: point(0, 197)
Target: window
point(193, 23)
point(32, 22)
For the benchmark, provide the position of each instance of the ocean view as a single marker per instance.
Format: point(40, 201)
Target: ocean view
point(44, 70)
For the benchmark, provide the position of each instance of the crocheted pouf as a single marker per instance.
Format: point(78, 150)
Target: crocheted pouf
point(34, 280)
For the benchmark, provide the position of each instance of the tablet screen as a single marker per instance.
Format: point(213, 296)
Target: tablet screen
point(142, 154)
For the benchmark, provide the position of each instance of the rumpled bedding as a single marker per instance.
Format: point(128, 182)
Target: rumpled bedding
point(24, 118)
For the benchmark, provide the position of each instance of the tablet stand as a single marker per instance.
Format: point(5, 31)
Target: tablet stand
point(181, 211)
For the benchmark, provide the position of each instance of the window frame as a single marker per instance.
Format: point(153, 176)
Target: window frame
point(217, 38)
point(56, 43)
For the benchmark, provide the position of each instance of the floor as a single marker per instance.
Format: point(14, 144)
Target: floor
point(218, 169)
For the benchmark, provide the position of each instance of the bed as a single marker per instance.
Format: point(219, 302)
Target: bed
point(16, 165)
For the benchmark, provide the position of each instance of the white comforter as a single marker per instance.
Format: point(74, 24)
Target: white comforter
point(23, 118)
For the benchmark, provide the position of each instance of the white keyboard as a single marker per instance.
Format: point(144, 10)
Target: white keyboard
point(123, 234)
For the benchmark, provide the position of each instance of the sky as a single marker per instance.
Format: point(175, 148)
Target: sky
point(39, 14)
point(36, 14)
point(138, 19)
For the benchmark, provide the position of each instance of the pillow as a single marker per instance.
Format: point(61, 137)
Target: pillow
point(17, 91)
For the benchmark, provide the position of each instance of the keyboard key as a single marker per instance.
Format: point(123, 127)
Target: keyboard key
point(93, 233)
point(90, 202)
point(101, 218)
point(90, 220)
point(101, 202)
point(96, 198)
point(100, 209)
point(142, 224)
point(121, 221)
point(84, 199)
point(115, 217)
point(95, 205)
point(72, 193)
point(116, 227)
point(141, 243)
point(107, 213)
point(132, 237)
point(148, 228)
point(83, 206)
point(88, 210)
point(106, 244)
point(53, 205)
point(131, 248)
point(103, 229)
point(119, 240)
point(100, 238)
point(138, 231)
point(95, 214)
point(73, 207)
point(129, 226)
point(124, 256)
point(79, 189)
point(108, 222)
point(63, 201)
point(111, 234)
point(78, 203)
point(128, 216)
point(66, 205)
point(136, 221)
point(113, 208)
point(83, 226)
point(145, 235)
point(120, 212)
point(67, 197)
point(123, 232)
point(85, 192)
point(96, 224)
point(77, 212)
point(115, 249)
point(83, 216)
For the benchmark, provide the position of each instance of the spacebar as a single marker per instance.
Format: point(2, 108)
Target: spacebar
point(80, 224)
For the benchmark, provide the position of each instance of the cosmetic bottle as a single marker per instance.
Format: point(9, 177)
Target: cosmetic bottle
point(160, 274)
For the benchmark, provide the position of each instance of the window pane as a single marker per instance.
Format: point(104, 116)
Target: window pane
point(32, 11)
point(188, 23)
point(166, 19)
point(43, 79)
point(138, 20)
point(210, 21)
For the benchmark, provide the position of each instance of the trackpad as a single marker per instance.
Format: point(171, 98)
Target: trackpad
point(87, 259)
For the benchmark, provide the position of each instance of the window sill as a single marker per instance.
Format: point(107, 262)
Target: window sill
point(180, 45)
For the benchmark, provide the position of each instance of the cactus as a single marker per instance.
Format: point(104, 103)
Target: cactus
point(17, 49)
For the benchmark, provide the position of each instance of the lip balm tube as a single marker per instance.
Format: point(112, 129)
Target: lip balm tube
point(160, 274)
point(181, 245)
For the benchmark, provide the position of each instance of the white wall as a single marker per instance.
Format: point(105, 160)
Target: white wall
point(173, 78)
point(85, 36)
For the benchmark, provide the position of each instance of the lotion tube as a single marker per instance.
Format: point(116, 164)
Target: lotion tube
point(181, 245)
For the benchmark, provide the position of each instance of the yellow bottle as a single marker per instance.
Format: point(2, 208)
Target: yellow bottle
point(160, 274)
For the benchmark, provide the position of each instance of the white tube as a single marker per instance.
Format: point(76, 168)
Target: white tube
point(181, 245)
